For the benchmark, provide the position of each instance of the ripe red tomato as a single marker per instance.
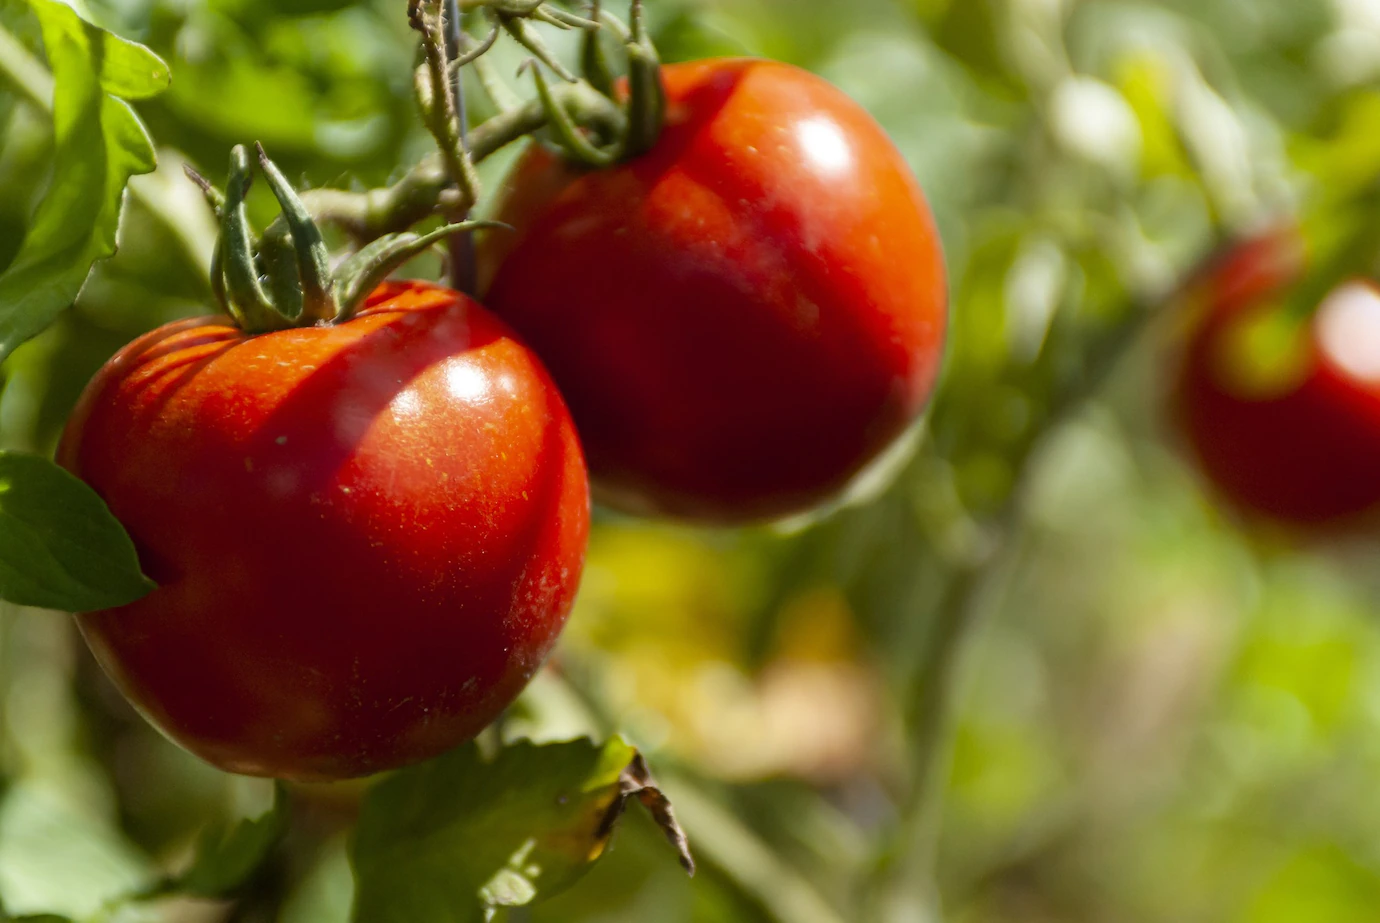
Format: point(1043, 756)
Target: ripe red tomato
point(367, 536)
point(742, 318)
point(1284, 417)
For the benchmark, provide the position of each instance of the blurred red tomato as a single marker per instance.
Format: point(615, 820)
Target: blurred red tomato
point(1282, 411)
point(742, 318)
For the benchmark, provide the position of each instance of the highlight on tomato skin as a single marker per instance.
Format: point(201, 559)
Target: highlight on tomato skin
point(367, 535)
point(742, 318)
point(1282, 414)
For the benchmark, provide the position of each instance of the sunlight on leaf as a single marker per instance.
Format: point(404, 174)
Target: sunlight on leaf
point(99, 143)
point(458, 837)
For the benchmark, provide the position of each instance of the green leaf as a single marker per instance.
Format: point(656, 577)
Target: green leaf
point(228, 855)
point(452, 840)
point(59, 857)
point(685, 36)
point(60, 547)
point(99, 143)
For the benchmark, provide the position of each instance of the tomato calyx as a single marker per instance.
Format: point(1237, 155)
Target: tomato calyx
point(283, 277)
point(646, 94)
point(273, 282)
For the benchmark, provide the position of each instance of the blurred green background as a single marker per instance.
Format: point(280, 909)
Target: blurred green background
point(1160, 716)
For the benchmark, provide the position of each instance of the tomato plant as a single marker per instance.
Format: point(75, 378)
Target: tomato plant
point(735, 272)
point(1282, 409)
point(742, 317)
point(367, 535)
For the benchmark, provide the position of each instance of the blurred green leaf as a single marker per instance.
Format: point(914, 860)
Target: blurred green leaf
point(453, 839)
point(60, 548)
point(971, 31)
point(228, 855)
point(56, 857)
point(99, 144)
point(262, 8)
point(324, 894)
point(683, 35)
point(1320, 885)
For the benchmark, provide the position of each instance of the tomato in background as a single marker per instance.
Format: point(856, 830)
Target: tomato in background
point(742, 318)
point(367, 535)
point(1282, 414)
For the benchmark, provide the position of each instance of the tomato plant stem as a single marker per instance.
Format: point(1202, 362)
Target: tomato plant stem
point(905, 890)
point(463, 271)
point(438, 102)
point(426, 187)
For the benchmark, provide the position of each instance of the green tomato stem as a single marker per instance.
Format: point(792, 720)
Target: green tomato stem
point(427, 187)
point(576, 145)
point(528, 38)
point(438, 102)
point(563, 19)
point(463, 268)
point(478, 51)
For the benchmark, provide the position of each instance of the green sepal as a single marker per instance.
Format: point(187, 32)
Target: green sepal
point(218, 280)
point(247, 302)
point(215, 199)
point(362, 272)
point(529, 38)
point(568, 134)
point(313, 258)
point(593, 61)
point(282, 275)
point(646, 93)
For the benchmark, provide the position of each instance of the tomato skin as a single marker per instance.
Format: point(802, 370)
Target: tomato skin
point(742, 318)
point(367, 536)
point(1306, 454)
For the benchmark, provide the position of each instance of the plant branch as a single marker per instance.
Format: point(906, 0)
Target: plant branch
point(903, 888)
point(427, 187)
point(438, 101)
point(460, 249)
